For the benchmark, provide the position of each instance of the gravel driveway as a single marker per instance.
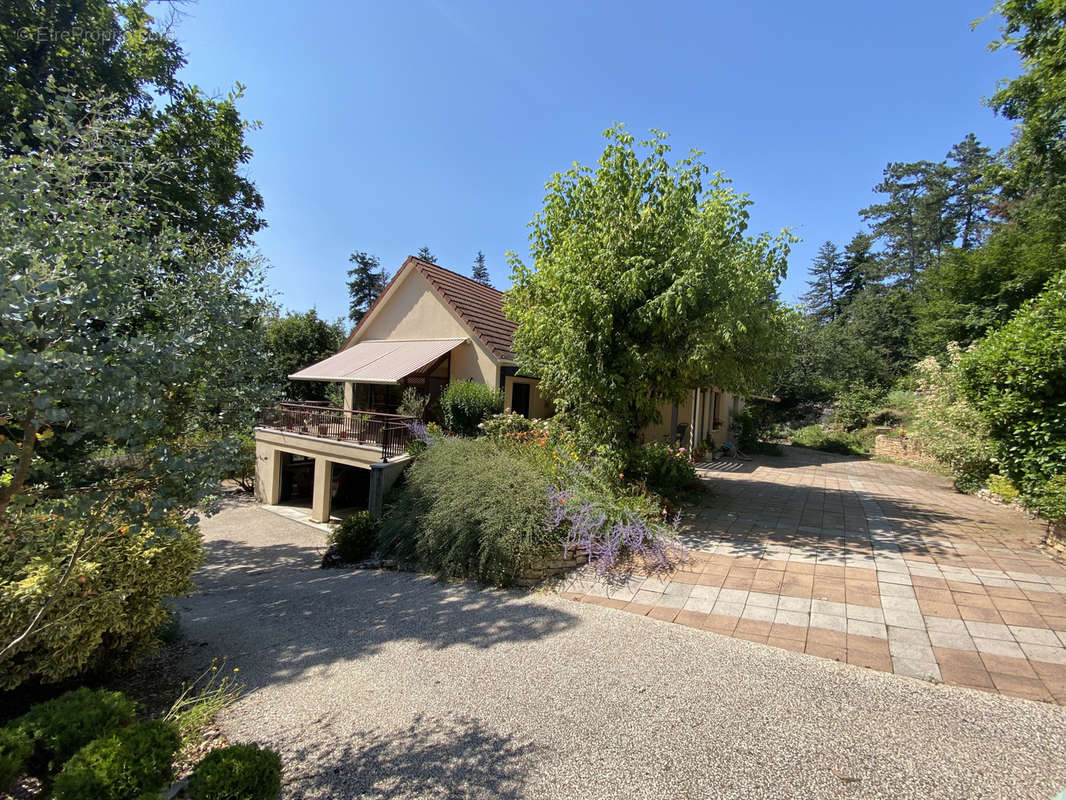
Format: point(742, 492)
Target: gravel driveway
point(387, 685)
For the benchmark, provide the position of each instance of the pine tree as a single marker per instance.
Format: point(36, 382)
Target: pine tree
point(972, 191)
point(366, 280)
point(481, 272)
point(823, 298)
point(425, 254)
point(858, 268)
point(915, 221)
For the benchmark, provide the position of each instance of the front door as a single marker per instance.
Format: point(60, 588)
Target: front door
point(520, 399)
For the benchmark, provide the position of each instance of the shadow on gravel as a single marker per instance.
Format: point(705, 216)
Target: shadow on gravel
point(271, 611)
point(429, 758)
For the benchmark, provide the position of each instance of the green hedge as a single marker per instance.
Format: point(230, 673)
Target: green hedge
point(61, 727)
point(466, 404)
point(355, 538)
point(127, 764)
point(15, 749)
point(470, 508)
point(1016, 377)
point(239, 772)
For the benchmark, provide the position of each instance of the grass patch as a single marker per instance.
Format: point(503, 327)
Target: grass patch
point(215, 689)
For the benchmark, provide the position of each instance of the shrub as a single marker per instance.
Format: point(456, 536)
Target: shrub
point(238, 772)
point(1016, 379)
point(242, 470)
point(355, 538)
point(413, 403)
point(126, 764)
point(817, 437)
point(853, 409)
point(470, 508)
point(947, 426)
point(110, 610)
point(501, 426)
point(666, 470)
point(1002, 488)
point(61, 727)
point(16, 746)
point(466, 405)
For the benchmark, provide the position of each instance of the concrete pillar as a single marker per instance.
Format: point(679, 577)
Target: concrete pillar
point(349, 394)
point(267, 474)
point(673, 424)
point(377, 489)
point(320, 499)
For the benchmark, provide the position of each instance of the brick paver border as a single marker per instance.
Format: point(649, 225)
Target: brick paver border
point(832, 560)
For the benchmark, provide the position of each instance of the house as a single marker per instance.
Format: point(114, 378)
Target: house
point(428, 327)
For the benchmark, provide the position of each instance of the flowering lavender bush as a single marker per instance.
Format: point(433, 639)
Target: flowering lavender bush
point(609, 534)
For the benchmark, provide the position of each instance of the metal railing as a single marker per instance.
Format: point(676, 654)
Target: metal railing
point(390, 432)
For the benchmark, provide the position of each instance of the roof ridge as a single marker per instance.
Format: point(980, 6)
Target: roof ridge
point(468, 279)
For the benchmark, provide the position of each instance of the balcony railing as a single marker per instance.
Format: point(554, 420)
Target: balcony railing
point(390, 432)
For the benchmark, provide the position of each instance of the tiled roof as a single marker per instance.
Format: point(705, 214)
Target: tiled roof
point(479, 306)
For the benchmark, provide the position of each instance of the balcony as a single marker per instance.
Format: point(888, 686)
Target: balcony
point(389, 432)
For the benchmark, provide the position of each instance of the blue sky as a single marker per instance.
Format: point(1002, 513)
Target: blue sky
point(387, 126)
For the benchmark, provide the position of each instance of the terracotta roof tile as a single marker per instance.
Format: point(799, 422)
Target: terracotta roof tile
point(479, 306)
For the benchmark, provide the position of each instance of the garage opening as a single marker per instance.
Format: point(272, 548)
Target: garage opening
point(349, 489)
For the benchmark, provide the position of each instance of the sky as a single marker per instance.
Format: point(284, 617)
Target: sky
point(387, 126)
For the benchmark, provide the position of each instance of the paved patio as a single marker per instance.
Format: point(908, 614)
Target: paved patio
point(871, 564)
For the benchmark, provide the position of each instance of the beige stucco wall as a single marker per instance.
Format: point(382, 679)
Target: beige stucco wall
point(660, 431)
point(539, 407)
point(413, 310)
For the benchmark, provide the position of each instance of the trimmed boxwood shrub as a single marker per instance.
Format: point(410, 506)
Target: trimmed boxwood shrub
point(126, 764)
point(355, 538)
point(15, 749)
point(238, 772)
point(466, 404)
point(61, 727)
point(470, 508)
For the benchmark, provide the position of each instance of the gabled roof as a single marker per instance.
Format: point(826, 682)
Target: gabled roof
point(480, 307)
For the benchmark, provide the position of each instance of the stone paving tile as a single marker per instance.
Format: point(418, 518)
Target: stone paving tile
point(868, 564)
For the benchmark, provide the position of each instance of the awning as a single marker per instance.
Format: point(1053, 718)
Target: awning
point(380, 361)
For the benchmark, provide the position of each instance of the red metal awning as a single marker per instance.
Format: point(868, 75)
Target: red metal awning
point(379, 361)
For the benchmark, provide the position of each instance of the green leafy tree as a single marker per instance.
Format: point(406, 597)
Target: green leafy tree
point(366, 282)
point(1036, 98)
point(823, 298)
point(88, 49)
point(130, 362)
point(298, 340)
point(1016, 378)
point(425, 254)
point(481, 272)
point(642, 286)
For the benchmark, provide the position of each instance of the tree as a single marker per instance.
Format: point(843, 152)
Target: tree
point(642, 286)
point(424, 254)
point(823, 299)
point(366, 281)
point(972, 190)
point(481, 272)
point(130, 363)
point(296, 341)
point(1016, 377)
point(1036, 30)
point(858, 269)
point(914, 221)
point(88, 49)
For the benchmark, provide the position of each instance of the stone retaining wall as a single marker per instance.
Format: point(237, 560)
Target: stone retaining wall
point(901, 450)
point(549, 568)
